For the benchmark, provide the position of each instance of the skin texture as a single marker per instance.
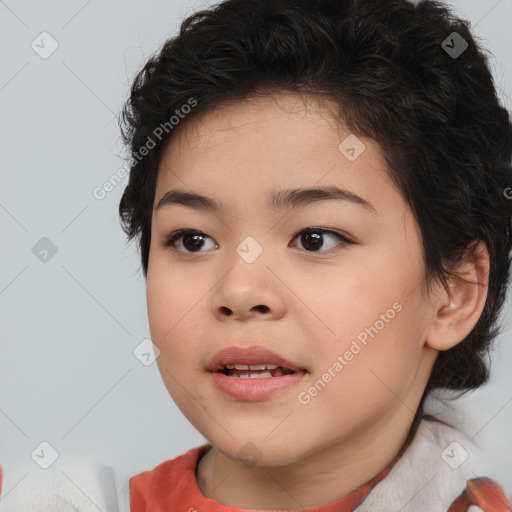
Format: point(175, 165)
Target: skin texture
point(317, 302)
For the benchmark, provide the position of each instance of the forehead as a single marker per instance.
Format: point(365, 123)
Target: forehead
point(254, 113)
point(275, 128)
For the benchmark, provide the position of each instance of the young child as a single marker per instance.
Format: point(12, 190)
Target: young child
point(321, 194)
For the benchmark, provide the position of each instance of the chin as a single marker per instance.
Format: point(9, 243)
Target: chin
point(258, 453)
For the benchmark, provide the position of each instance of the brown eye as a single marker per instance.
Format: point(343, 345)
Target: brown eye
point(313, 239)
point(191, 241)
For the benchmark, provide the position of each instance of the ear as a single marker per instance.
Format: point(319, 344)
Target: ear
point(457, 310)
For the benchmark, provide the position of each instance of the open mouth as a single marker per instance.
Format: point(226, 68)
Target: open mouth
point(254, 371)
point(253, 381)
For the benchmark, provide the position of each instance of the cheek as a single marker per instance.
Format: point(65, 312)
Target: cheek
point(376, 379)
point(377, 336)
point(174, 331)
point(339, 312)
point(175, 304)
point(169, 296)
point(391, 358)
point(177, 301)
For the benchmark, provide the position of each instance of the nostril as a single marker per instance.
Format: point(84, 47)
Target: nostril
point(262, 308)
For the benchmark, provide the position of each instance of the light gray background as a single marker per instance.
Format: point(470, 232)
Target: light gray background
point(68, 375)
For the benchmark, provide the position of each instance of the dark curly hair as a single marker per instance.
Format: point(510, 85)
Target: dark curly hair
point(436, 116)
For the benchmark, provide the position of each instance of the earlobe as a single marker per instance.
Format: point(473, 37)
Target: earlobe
point(457, 310)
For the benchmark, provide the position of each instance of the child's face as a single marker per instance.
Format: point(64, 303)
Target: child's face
point(308, 298)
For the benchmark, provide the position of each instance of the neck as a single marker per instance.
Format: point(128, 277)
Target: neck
point(316, 480)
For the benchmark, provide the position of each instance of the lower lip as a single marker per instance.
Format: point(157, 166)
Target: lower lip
point(254, 389)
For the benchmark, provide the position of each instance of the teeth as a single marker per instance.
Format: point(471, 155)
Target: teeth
point(254, 371)
point(255, 374)
point(261, 366)
point(250, 375)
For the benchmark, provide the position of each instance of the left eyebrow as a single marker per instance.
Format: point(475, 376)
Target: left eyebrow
point(289, 198)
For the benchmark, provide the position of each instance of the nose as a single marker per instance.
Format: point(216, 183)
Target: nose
point(248, 290)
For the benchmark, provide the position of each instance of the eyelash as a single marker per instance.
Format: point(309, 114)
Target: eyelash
point(170, 240)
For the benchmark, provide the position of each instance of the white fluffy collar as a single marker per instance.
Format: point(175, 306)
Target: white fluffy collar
point(430, 474)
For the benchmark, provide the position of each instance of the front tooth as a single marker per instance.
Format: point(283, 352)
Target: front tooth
point(241, 366)
point(261, 366)
point(261, 375)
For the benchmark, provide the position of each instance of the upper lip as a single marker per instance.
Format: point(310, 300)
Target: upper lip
point(248, 355)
